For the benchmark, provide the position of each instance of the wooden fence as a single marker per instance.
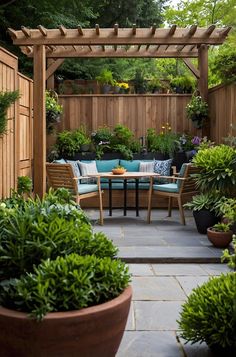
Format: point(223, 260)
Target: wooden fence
point(222, 103)
point(16, 144)
point(136, 112)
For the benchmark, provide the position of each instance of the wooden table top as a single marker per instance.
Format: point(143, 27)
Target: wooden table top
point(126, 175)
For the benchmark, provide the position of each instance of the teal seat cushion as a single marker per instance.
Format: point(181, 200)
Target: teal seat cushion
point(130, 166)
point(59, 161)
point(86, 188)
point(167, 187)
point(106, 165)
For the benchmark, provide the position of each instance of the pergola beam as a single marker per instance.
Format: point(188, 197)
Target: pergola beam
point(191, 67)
point(53, 67)
point(97, 36)
point(43, 30)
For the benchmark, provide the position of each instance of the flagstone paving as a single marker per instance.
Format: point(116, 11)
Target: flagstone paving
point(160, 281)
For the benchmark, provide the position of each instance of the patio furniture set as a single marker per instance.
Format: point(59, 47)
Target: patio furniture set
point(90, 179)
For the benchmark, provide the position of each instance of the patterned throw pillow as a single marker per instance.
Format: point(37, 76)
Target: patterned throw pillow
point(162, 167)
point(75, 167)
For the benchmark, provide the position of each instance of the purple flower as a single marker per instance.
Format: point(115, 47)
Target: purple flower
point(196, 140)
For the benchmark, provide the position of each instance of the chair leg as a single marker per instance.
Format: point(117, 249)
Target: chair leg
point(170, 206)
point(100, 208)
point(181, 211)
point(149, 202)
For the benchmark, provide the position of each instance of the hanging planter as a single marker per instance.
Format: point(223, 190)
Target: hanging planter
point(6, 99)
point(53, 110)
point(197, 111)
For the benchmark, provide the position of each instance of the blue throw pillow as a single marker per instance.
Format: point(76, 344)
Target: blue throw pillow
point(162, 167)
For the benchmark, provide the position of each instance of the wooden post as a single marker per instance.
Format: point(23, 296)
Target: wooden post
point(39, 132)
point(203, 80)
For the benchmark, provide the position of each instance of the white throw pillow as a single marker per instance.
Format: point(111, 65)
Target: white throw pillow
point(146, 166)
point(88, 168)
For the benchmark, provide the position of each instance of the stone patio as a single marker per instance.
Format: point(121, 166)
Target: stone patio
point(160, 281)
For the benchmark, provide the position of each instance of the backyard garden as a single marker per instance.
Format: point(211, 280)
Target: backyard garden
point(126, 105)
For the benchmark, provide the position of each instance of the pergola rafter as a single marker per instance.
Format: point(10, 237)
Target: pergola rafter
point(49, 47)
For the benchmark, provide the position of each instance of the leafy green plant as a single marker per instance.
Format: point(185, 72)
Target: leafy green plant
point(183, 84)
point(105, 77)
point(102, 135)
point(208, 315)
point(6, 99)
point(24, 184)
point(35, 230)
point(66, 283)
point(165, 142)
point(230, 256)
point(140, 83)
point(124, 150)
point(197, 111)
point(53, 110)
point(227, 208)
point(203, 201)
point(70, 142)
point(221, 227)
point(218, 169)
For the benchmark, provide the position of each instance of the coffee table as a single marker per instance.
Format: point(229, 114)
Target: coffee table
point(127, 176)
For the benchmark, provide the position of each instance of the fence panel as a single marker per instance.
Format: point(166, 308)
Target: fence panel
point(137, 112)
point(222, 104)
point(16, 145)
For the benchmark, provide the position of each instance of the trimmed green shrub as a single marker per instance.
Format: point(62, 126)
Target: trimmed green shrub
point(209, 314)
point(34, 230)
point(218, 169)
point(66, 283)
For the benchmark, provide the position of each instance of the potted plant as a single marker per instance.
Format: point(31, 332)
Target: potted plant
point(106, 80)
point(197, 111)
point(220, 235)
point(204, 211)
point(182, 84)
point(69, 143)
point(208, 315)
point(61, 288)
point(140, 84)
point(53, 110)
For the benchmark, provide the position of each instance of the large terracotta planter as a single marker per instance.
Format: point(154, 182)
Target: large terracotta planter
point(219, 239)
point(91, 332)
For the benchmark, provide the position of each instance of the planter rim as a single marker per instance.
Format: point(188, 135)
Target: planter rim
point(220, 232)
point(73, 313)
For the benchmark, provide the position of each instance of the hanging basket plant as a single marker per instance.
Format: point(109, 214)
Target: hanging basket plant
point(53, 110)
point(6, 99)
point(197, 111)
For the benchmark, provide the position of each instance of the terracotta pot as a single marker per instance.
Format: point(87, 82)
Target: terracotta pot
point(219, 239)
point(91, 332)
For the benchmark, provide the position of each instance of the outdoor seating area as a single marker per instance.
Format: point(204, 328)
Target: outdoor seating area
point(117, 179)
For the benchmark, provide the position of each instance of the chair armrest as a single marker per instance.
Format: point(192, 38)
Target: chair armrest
point(173, 178)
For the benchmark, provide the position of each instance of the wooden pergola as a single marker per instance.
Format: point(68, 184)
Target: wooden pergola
point(49, 48)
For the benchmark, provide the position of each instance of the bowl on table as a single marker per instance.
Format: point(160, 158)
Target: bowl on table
point(118, 171)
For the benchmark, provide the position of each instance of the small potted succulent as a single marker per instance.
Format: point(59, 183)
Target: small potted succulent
point(60, 287)
point(197, 111)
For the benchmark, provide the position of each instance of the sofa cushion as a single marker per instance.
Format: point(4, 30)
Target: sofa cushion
point(130, 166)
point(167, 187)
point(146, 166)
point(59, 161)
point(181, 174)
point(106, 165)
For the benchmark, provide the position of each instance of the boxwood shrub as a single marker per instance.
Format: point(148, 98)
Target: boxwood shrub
point(64, 284)
point(34, 230)
point(209, 314)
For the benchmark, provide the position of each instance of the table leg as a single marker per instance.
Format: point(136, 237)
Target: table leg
point(137, 196)
point(125, 197)
point(110, 196)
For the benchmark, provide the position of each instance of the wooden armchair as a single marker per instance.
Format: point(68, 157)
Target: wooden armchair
point(179, 187)
point(61, 175)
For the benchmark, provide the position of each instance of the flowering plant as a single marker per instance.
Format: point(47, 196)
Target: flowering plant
point(197, 111)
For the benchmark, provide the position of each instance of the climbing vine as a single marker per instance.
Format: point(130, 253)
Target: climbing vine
point(6, 99)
